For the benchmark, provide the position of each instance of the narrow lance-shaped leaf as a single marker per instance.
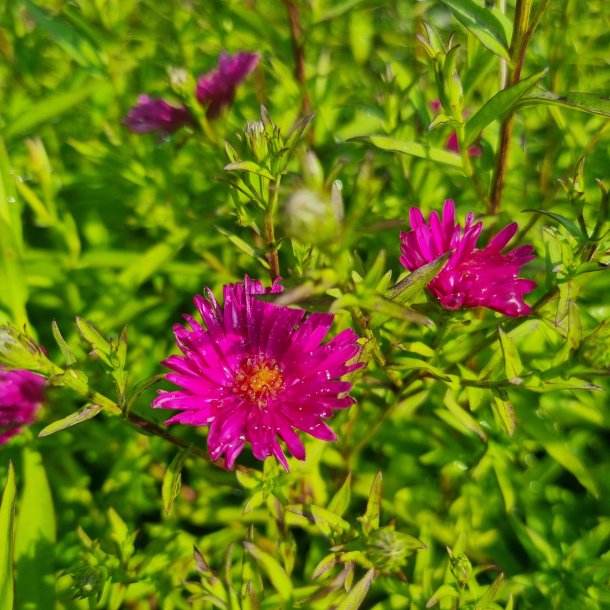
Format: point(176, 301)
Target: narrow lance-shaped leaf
point(407, 289)
point(485, 24)
point(512, 361)
point(370, 519)
point(250, 167)
point(92, 336)
point(63, 346)
point(340, 501)
point(89, 411)
point(7, 516)
point(172, 480)
point(414, 149)
point(353, 600)
point(498, 105)
point(35, 534)
point(275, 572)
point(504, 410)
point(585, 102)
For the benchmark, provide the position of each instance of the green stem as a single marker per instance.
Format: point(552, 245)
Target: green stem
point(269, 229)
point(522, 33)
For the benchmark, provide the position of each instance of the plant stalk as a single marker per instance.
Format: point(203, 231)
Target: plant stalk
point(522, 33)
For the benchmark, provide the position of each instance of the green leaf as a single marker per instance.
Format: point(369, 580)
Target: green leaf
point(413, 149)
point(503, 408)
point(277, 575)
point(370, 519)
point(250, 167)
point(63, 346)
point(512, 361)
point(585, 102)
point(38, 113)
point(353, 600)
point(340, 501)
point(328, 522)
point(92, 336)
point(562, 220)
point(35, 535)
point(14, 292)
point(498, 105)
point(408, 289)
point(486, 25)
point(463, 416)
point(89, 411)
point(73, 42)
point(7, 516)
point(172, 480)
point(383, 308)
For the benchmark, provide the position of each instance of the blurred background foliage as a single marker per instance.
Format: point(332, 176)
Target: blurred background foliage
point(492, 444)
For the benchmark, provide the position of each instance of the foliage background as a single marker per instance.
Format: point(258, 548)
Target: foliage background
point(125, 229)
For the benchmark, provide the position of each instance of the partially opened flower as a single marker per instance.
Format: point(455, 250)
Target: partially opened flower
point(21, 394)
point(150, 115)
point(471, 277)
point(256, 371)
point(216, 89)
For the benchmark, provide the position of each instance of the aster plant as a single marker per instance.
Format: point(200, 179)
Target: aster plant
point(472, 277)
point(256, 371)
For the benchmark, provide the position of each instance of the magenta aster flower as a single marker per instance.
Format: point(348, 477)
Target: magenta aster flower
point(256, 371)
point(471, 277)
point(150, 115)
point(216, 89)
point(21, 393)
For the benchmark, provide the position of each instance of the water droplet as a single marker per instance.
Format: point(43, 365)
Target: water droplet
point(11, 199)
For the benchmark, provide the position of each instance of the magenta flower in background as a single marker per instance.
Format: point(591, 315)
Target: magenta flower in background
point(151, 114)
point(21, 393)
point(216, 89)
point(452, 145)
point(471, 277)
point(256, 371)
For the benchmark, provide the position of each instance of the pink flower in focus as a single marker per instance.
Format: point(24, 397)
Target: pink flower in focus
point(150, 115)
point(216, 89)
point(471, 277)
point(21, 393)
point(255, 371)
point(452, 145)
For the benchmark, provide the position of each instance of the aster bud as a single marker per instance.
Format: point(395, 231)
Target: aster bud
point(181, 81)
point(313, 173)
point(310, 217)
point(388, 549)
point(257, 139)
point(88, 581)
point(460, 567)
point(19, 351)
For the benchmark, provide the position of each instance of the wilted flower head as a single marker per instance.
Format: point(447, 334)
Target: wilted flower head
point(471, 277)
point(151, 114)
point(255, 371)
point(21, 393)
point(216, 89)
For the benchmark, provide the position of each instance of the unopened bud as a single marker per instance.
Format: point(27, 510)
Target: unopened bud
point(257, 138)
point(388, 549)
point(310, 218)
point(460, 567)
point(88, 581)
point(19, 351)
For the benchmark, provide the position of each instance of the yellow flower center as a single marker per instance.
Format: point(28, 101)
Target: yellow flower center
point(258, 379)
